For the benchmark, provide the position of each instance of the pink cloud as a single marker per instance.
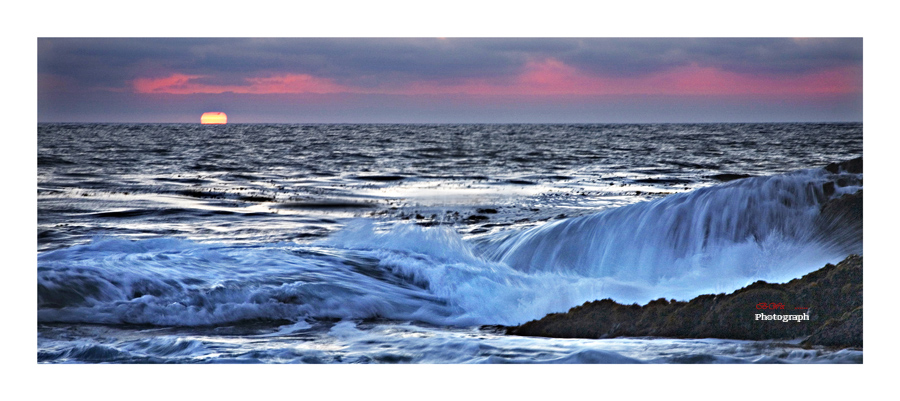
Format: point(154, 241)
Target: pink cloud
point(294, 83)
point(553, 77)
point(181, 84)
point(542, 77)
point(694, 80)
point(175, 83)
point(537, 78)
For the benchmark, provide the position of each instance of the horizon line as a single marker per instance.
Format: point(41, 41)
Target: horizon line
point(471, 122)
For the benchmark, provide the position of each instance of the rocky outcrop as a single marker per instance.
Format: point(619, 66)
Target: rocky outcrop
point(854, 166)
point(840, 220)
point(829, 298)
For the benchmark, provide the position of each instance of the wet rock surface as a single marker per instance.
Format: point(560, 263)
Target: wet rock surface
point(831, 297)
point(854, 166)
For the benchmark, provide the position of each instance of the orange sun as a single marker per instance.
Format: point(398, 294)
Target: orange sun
point(213, 117)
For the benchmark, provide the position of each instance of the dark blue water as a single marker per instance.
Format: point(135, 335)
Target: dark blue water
point(396, 243)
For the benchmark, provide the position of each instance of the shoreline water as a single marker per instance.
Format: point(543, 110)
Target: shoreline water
point(395, 244)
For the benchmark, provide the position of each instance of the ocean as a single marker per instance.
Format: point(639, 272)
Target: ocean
point(278, 243)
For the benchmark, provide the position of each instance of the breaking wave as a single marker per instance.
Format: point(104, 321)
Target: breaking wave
point(711, 240)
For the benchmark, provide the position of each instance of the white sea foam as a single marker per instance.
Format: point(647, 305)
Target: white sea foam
point(712, 240)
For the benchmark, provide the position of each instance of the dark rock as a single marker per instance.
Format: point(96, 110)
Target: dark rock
point(845, 182)
point(840, 222)
point(428, 223)
point(848, 206)
point(828, 188)
point(486, 211)
point(380, 178)
point(831, 296)
point(476, 218)
point(252, 198)
point(840, 332)
point(729, 177)
point(854, 166)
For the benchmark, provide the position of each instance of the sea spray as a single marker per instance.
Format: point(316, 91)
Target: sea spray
point(711, 239)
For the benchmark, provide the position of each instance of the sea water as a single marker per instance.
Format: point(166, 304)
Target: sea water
point(411, 243)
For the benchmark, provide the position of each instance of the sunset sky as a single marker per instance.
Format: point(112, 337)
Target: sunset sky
point(450, 80)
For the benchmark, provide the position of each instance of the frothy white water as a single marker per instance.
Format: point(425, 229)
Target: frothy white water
point(712, 240)
point(415, 273)
point(355, 342)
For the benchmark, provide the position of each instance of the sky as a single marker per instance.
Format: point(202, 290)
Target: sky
point(450, 80)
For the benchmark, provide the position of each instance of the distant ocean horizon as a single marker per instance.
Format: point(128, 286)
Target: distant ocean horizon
point(197, 122)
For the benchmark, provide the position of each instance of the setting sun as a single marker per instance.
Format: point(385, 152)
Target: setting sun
point(213, 117)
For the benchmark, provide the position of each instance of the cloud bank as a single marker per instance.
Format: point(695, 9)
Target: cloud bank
point(510, 72)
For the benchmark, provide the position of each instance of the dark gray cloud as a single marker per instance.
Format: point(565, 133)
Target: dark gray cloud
point(110, 62)
point(89, 79)
point(771, 56)
point(367, 62)
point(114, 62)
point(774, 56)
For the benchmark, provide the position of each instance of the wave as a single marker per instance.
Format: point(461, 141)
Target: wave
point(406, 273)
point(710, 240)
point(715, 239)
